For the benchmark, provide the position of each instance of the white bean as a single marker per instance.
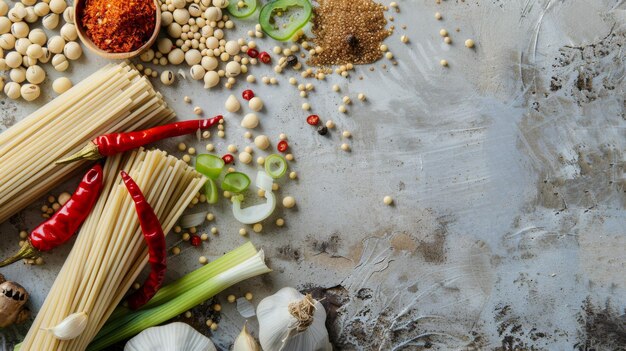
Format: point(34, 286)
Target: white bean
point(168, 77)
point(68, 15)
point(176, 56)
point(34, 51)
point(255, 104)
point(7, 41)
point(38, 36)
point(262, 142)
point(197, 72)
point(147, 55)
point(213, 14)
point(209, 63)
point(166, 18)
point(20, 30)
point(45, 57)
point(13, 59)
point(30, 92)
point(181, 16)
point(4, 8)
point(29, 2)
point(58, 6)
point(5, 24)
point(68, 32)
point(42, 9)
point(233, 69)
point(21, 45)
point(18, 75)
point(3, 65)
point(193, 57)
point(31, 16)
point(61, 85)
point(165, 45)
point(56, 44)
point(16, 14)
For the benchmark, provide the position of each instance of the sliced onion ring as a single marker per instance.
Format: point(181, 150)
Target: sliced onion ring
point(193, 220)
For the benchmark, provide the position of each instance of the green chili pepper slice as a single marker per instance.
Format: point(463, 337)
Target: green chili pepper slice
point(248, 8)
point(209, 165)
point(235, 182)
point(275, 166)
point(281, 19)
point(211, 191)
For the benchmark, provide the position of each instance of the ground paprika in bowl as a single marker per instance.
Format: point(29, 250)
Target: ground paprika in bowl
point(117, 29)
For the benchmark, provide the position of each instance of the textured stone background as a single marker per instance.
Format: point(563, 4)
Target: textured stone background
point(507, 169)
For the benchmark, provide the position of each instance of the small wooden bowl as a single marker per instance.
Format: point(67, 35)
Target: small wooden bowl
point(78, 8)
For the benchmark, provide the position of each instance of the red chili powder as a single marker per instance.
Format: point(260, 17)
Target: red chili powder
point(119, 25)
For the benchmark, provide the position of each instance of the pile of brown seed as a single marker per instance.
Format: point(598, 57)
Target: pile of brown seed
point(348, 32)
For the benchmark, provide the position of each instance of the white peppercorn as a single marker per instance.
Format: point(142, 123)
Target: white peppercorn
point(72, 50)
point(56, 44)
point(57, 6)
point(18, 75)
point(61, 85)
point(35, 74)
point(38, 36)
point(60, 63)
point(12, 90)
point(13, 59)
point(68, 32)
point(168, 77)
point(51, 21)
point(30, 92)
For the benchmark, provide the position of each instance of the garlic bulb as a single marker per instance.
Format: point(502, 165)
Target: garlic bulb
point(245, 341)
point(71, 327)
point(171, 337)
point(289, 321)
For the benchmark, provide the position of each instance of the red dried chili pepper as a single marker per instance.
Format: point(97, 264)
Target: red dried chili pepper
point(265, 57)
point(155, 238)
point(313, 120)
point(247, 94)
point(65, 222)
point(253, 53)
point(115, 143)
point(282, 146)
point(228, 158)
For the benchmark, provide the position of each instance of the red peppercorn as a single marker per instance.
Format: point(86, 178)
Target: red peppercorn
point(313, 120)
point(282, 146)
point(254, 53)
point(247, 94)
point(195, 240)
point(228, 158)
point(265, 57)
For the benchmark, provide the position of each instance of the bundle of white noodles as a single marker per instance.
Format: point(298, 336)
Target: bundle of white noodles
point(110, 251)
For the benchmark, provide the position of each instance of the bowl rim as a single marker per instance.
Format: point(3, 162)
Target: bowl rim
point(78, 6)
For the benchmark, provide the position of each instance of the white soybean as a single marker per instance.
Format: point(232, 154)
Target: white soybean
point(197, 72)
point(42, 9)
point(193, 57)
point(181, 16)
point(5, 24)
point(165, 45)
point(35, 74)
point(57, 6)
point(176, 56)
point(18, 75)
point(20, 29)
point(7, 41)
point(38, 36)
point(72, 50)
point(51, 21)
point(211, 79)
point(13, 59)
point(30, 92)
point(12, 90)
point(209, 63)
point(60, 63)
point(168, 77)
point(68, 32)
point(56, 44)
point(61, 85)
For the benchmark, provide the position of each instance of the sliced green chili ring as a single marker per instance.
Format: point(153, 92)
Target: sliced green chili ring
point(284, 9)
point(209, 165)
point(249, 6)
point(275, 166)
point(235, 182)
point(211, 191)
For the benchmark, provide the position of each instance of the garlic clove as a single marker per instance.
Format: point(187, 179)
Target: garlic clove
point(71, 327)
point(245, 341)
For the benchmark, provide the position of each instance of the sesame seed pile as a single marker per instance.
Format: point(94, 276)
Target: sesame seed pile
point(348, 32)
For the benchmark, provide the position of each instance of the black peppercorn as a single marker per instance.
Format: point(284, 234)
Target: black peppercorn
point(322, 130)
point(292, 60)
point(352, 40)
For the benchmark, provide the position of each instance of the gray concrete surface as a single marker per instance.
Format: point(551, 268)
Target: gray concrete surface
point(507, 170)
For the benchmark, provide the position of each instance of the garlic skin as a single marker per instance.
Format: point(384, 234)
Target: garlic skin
point(280, 330)
point(71, 327)
point(245, 341)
